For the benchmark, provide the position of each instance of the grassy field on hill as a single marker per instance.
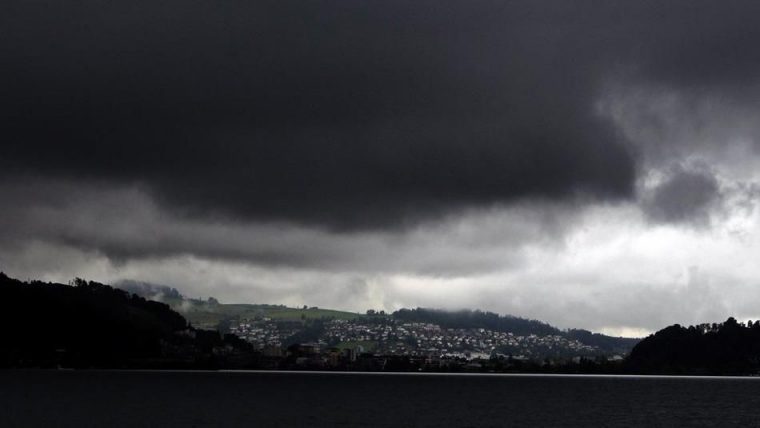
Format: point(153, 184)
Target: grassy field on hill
point(206, 315)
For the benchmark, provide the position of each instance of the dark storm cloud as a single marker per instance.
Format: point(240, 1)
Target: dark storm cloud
point(357, 114)
point(686, 195)
point(125, 225)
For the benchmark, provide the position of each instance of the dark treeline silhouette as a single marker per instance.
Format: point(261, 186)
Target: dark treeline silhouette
point(730, 348)
point(610, 344)
point(87, 324)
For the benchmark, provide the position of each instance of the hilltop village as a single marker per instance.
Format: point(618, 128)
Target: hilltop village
point(389, 337)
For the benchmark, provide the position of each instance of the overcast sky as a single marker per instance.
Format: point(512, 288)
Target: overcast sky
point(592, 164)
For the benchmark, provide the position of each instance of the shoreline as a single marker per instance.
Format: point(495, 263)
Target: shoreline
point(388, 373)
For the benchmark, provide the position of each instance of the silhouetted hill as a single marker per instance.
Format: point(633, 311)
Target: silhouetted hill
point(611, 344)
point(87, 324)
point(709, 349)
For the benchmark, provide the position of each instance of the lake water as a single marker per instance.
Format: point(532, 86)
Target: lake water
point(282, 399)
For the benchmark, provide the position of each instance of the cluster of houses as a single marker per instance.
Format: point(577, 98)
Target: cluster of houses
point(425, 339)
point(392, 338)
point(262, 333)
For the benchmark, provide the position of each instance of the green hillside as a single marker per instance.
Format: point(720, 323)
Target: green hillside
point(210, 314)
point(213, 315)
point(205, 314)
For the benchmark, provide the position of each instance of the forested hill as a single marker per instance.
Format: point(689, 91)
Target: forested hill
point(87, 324)
point(512, 324)
point(612, 344)
point(477, 319)
point(730, 348)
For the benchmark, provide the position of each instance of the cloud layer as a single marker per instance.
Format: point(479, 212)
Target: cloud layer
point(392, 153)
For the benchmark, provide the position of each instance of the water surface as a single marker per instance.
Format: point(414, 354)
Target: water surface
point(285, 399)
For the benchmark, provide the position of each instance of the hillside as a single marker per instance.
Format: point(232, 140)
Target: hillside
point(211, 314)
point(729, 348)
point(516, 325)
point(477, 319)
point(87, 324)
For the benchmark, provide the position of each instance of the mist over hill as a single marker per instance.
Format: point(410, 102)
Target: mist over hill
point(149, 290)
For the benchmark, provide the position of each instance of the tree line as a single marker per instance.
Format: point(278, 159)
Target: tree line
point(728, 348)
point(88, 324)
